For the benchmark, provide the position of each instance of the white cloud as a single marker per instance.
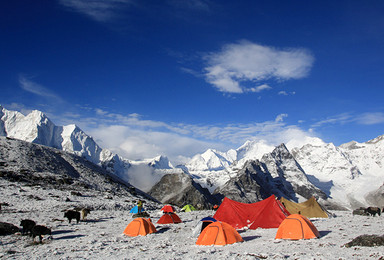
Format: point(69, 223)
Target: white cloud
point(134, 138)
point(99, 10)
point(370, 118)
point(283, 93)
point(38, 89)
point(133, 143)
point(138, 139)
point(280, 117)
point(337, 119)
point(247, 61)
point(259, 88)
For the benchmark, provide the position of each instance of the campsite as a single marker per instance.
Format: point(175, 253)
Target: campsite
point(101, 236)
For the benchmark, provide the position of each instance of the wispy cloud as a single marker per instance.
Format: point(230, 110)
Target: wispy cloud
point(37, 89)
point(336, 119)
point(249, 62)
point(99, 10)
point(368, 118)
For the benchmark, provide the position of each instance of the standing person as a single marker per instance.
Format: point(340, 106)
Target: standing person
point(139, 206)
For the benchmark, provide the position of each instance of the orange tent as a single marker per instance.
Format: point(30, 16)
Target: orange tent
point(296, 227)
point(218, 233)
point(139, 227)
point(169, 218)
point(168, 208)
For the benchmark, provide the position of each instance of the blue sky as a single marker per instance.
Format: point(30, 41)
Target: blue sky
point(176, 77)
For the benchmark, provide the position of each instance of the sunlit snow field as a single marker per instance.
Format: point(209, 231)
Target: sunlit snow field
point(100, 237)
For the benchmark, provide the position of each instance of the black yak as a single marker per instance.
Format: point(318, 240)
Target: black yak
point(71, 214)
point(40, 231)
point(27, 225)
point(373, 211)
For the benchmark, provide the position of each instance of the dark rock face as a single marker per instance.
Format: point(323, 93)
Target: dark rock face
point(286, 171)
point(252, 184)
point(276, 173)
point(179, 189)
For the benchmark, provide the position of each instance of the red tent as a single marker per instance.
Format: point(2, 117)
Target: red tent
point(169, 218)
point(268, 213)
point(168, 208)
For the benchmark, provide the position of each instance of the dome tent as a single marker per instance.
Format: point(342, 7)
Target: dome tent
point(188, 208)
point(203, 223)
point(297, 227)
point(169, 218)
point(168, 208)
point(139, 227)
point(218, 233)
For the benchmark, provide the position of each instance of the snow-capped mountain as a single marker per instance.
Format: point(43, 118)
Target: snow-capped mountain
point(346, 173)
point(275, 173)
point(213, 168)
point(37, 128)
point(350, 175)
point(211, 160)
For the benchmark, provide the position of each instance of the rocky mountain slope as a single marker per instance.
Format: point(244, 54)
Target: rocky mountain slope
point(37, 128)
point(275, 173)
point(180, 189)
point(350, 175)
point(37, 165)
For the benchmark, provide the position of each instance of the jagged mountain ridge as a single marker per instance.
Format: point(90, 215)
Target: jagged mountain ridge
point(337, 171)
point(275, 173)
point(37, 128)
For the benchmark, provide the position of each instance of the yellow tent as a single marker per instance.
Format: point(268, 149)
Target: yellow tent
point(309, 208)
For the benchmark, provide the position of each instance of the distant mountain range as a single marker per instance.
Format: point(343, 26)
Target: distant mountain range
point(345, 176)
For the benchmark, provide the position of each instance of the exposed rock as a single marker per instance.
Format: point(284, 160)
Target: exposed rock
point(276, 173)
point(179, 189)
point(286, 170)
point(360, 212)
point(366, 240)
point(38, 165)
point(252, 184)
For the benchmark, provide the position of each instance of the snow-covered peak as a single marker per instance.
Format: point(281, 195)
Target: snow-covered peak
point(161, 162)
point(211, 160)
point(308, 140)
point(377, 140)
point(253, 150)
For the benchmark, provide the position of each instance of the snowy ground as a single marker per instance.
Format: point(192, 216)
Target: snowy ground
point(100, 237)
